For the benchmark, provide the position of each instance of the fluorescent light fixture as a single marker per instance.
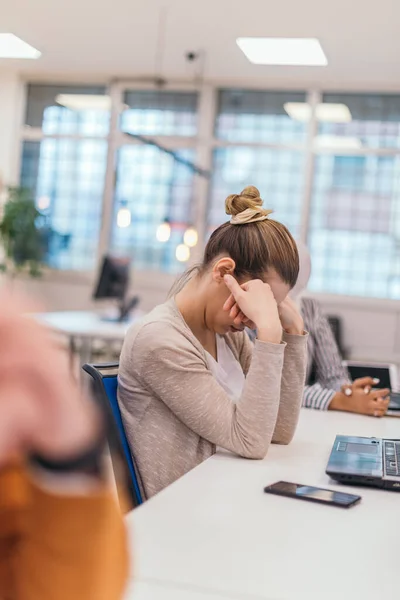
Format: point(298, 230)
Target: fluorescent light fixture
point(12, 46)
point(305, 52)
point(84, 101)
point(325, 112)
point(337, 142)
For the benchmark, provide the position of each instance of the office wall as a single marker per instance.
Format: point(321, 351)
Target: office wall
point(11, 99)
point(371, 328)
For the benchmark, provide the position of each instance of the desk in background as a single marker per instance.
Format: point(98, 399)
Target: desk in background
point(84, 327)
point(216, 529)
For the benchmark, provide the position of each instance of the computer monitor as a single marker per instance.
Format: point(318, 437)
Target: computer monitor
point(113, 283)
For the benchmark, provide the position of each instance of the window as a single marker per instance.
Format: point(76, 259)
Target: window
point(155, 188)
point(374, 120)
point(154, 180)
point(258, 120)
point(160, 113)
point(64, 164)
point(68, 110)
point(277, 173)
point(355, 226)
point(67, 178)
point(336, 168)
point(355, 210)
point(258, 116)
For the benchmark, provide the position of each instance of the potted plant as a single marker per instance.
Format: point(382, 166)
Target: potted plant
point(21, 234)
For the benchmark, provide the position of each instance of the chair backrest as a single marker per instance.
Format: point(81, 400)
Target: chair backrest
point(336, 327)
point(105, 385)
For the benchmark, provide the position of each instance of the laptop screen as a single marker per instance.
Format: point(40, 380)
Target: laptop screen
point(381, 373)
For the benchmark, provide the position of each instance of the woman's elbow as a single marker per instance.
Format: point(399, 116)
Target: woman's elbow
point(259, 455)
point(257, 450)
point(283, 438)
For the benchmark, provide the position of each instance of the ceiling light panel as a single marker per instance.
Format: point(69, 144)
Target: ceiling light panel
point(12, 46)
point(283, 51)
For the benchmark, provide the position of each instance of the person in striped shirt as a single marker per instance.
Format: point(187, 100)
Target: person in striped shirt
point(331, 388)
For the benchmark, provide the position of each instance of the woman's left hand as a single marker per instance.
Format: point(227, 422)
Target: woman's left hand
point(290, 317)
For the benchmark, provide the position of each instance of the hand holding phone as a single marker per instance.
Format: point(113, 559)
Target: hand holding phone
point(312, 494)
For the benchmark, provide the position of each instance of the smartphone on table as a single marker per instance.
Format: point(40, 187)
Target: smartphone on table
point(312, 494)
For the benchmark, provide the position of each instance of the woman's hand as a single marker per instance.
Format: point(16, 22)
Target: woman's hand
point(40, 406)
point(254, 305)
point(362, 400)
point(292, 321)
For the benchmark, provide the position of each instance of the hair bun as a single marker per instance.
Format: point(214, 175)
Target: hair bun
point(248, 198)
point(247, 204)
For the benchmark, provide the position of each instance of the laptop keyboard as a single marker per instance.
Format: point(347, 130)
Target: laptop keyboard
point(392, 458)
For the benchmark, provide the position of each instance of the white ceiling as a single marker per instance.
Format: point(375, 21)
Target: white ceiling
point(99, 39)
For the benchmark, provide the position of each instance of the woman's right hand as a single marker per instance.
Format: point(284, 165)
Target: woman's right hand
point(254, 302)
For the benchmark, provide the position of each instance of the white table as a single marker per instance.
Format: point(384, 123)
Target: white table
point(152, 590)
point(216, 529)
point(86, 326)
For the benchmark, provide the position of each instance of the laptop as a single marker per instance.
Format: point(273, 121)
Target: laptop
point(394, 405)
point(386, 373)
point(365, 461)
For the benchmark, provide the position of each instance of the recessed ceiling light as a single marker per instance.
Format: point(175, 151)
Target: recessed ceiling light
point(12, 46)
point(337, 142)
point(305, 52)
point(325, 112)
point(84, 101)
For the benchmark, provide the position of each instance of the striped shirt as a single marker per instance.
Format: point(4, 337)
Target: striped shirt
point(323, 358)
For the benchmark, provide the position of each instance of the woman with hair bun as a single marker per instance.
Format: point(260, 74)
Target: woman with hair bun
point(190, 379)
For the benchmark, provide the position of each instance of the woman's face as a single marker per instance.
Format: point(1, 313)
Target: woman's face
point(219, 320)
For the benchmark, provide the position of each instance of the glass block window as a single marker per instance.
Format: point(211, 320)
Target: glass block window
point(160, 113)
point(354, 233)
point(67, 179)
point(278, 174)
point(68, 110)
point(259, 116)
point(155, 188)
point(373, 120)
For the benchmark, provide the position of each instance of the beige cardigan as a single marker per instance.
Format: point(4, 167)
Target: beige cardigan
point(174, 410)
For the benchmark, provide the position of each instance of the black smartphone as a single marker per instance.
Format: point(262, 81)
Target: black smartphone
point(312, 494)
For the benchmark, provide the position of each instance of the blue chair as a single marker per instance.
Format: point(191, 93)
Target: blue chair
point(105, 384)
